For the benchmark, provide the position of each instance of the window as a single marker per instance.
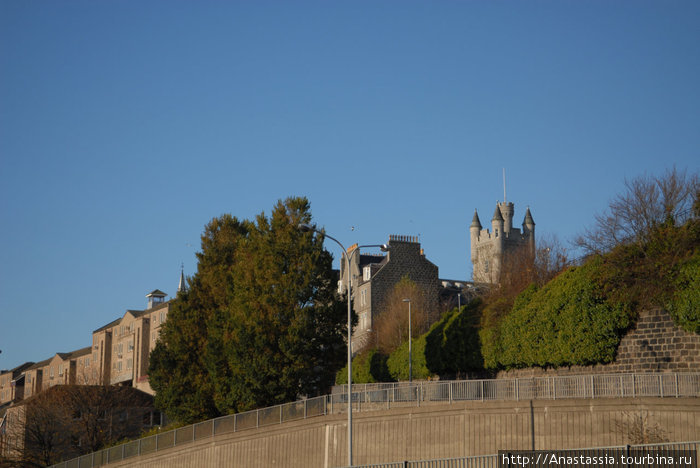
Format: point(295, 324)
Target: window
point(363, 298)
point(162, 317)
point(129, 363)
point(51, 372)
point(119, 366)
point(367, 273)
point(153, 336)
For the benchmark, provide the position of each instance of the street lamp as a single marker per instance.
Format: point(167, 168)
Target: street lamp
point(309, 228)
point(410, 360)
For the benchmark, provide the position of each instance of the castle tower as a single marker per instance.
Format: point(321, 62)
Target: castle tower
point(474, 230)
point(491, 250)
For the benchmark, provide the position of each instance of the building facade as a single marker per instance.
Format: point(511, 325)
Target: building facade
point(374, 276)
point(495, 250)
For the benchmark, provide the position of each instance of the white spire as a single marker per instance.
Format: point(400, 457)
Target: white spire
point(182, 286)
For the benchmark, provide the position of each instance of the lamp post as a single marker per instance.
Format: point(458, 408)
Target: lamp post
point(410, 359)
point(309, 228)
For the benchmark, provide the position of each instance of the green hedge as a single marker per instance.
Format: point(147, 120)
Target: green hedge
point(398, 361)
point(367, 367)
point(453, 344)
point(566, 322)
point(685, 304)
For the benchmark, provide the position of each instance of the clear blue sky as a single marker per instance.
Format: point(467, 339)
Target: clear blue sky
point(125, 126)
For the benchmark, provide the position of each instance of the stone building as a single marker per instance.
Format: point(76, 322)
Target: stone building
point(374, 276)
point(493, 250)
point(122, 347)
point(12, 383)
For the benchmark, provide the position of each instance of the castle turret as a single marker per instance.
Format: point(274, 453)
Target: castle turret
point(507, 210)
point(474, 230)
point(497, 228)
point(529, 230)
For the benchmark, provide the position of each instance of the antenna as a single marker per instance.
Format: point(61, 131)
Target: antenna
point(504, 185)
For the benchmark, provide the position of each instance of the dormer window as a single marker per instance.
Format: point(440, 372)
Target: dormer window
point(366, 273)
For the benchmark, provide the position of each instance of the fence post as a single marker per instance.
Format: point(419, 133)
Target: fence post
point(193, 432)
point(634, 384)
point(123, 447)
point(257, 418)
point(482, 390)
point(592, 392)
point(517, 390)
point(661, 386)
point(139, 449)
point(554, 387)
point(450, 391)
point(676, 374)
point(306, 405)
point(174, 437)
point(622, 388)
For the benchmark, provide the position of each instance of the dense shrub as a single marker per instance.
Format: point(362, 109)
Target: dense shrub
point(367, 367)
point(453, 345)
point(566, 322)
point(684, 307)
point(398, 360)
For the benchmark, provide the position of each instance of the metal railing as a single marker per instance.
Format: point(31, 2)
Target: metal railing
point(371, 397)
point(492, 461)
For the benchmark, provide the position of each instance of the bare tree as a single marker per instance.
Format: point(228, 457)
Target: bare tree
point(69, 420)
point(522, 269)
point(647, 202)
point(392, 322)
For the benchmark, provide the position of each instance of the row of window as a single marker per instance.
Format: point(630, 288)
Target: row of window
point(117, 365)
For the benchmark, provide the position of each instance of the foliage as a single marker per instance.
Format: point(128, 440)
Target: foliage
point(260, 325)
point(684, 306)
point(566, 322)
point(367, 367)
point(397, 363)
point(453, 345)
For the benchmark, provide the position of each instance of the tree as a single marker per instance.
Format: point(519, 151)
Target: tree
point(65, 421)
point(260, 324)
point(392, 322)
point(647, 202)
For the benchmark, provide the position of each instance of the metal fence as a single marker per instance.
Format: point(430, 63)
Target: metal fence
point(492, 461)
point(371, 397)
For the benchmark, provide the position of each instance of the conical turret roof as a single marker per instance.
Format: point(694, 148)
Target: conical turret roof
point(528, 217)
point(475, 221)
point(497, 215)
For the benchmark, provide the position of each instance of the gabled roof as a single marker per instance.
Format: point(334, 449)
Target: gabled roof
point(40, 364)
point(74, 354)
point(156, 293)
point(109, 325)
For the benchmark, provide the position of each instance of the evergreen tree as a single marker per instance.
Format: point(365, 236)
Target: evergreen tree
point(261, 323)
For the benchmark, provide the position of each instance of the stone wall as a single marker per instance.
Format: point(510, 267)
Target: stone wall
point(439, 431)
point(653, 344)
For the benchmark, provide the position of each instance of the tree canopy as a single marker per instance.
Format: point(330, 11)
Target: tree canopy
point(260, 324)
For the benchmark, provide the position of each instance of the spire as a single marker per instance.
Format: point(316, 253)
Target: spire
point(475, 221)
point(497, 214)
point(182, 286)
point(528, 218)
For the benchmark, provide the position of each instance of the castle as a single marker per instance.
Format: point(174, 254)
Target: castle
point(492, 252)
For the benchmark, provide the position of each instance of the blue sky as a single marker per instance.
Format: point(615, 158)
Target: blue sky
point(125, 126)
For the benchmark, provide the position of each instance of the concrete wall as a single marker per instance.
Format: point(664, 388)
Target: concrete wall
point(463, 429)
point(653, 344)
